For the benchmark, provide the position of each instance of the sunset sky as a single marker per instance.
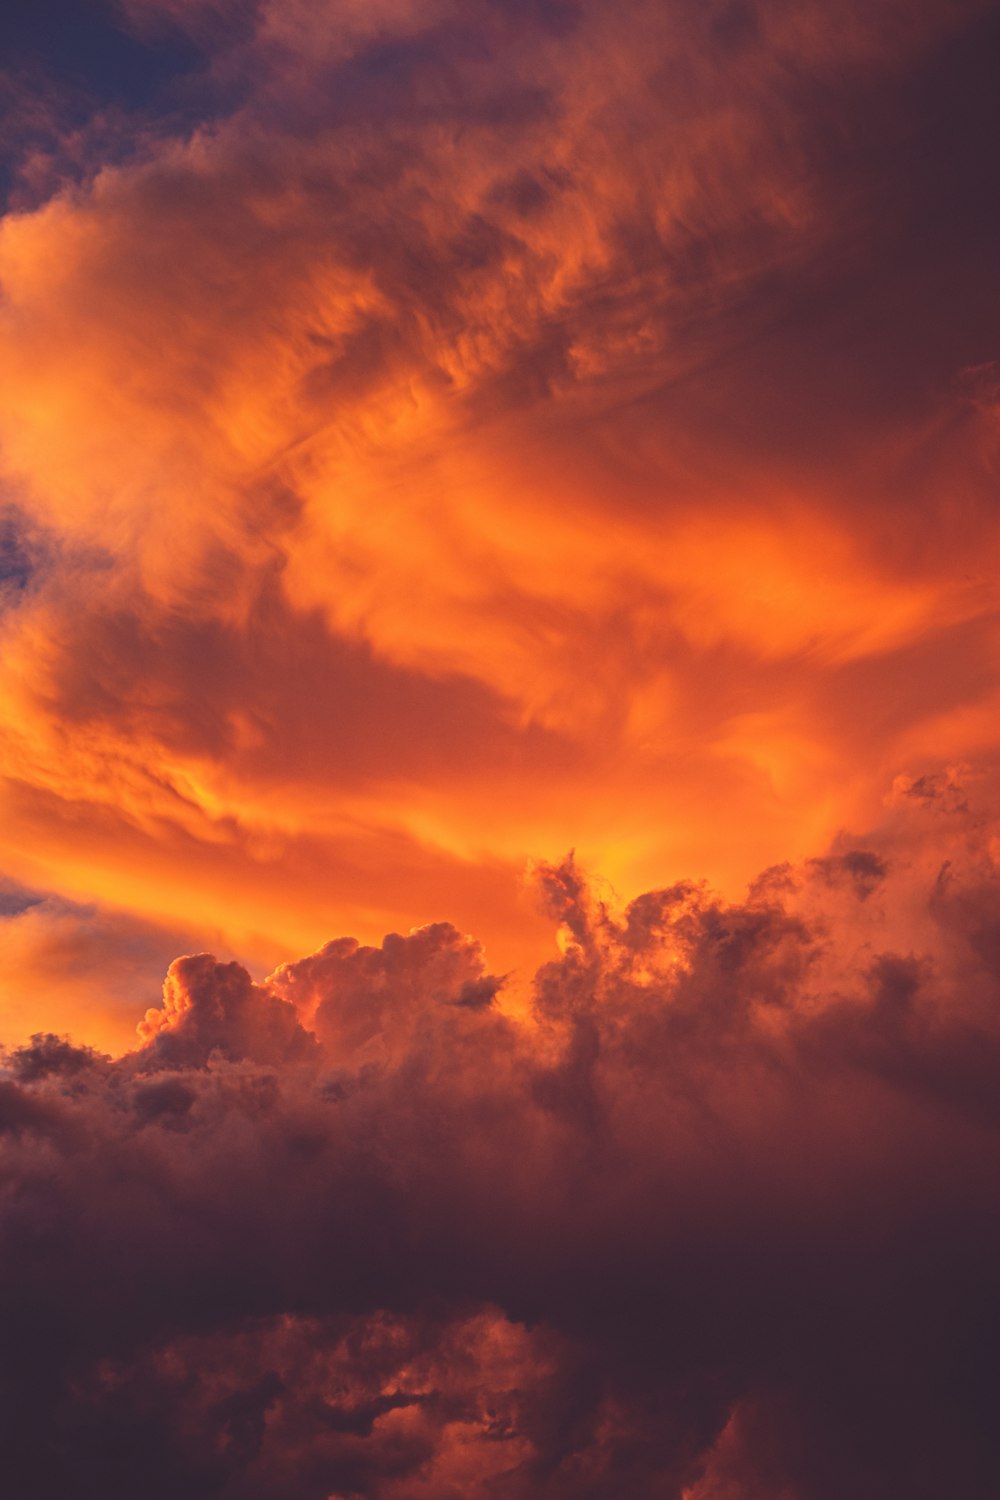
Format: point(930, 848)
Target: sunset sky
point(437, 436)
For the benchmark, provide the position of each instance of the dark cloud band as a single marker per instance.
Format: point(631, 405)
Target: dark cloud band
point(719, 1218)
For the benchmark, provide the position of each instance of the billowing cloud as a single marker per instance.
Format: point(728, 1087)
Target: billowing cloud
point(82, 967)
point(439, 435)
point(716, 1218)
point(434, 436)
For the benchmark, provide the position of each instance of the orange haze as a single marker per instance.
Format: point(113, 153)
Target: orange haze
point(570, 443)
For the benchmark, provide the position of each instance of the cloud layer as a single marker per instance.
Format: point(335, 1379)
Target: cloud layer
point(437, 435)
point(716, 1220)
point(433, 436)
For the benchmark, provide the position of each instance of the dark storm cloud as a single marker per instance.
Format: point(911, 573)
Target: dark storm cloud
point(725, 1208)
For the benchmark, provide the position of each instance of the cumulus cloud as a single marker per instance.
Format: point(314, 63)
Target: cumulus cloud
point(717, 1218)
point(432, 432)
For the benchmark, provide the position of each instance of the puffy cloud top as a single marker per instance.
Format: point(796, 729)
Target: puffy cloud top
point(717, 1218)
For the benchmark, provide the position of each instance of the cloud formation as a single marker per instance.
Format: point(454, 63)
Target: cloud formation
point(432, 432)
point(718, 1218)
point(434, 436)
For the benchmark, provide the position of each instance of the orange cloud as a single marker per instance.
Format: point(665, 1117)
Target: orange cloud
point(442, 453)
point(435, 437)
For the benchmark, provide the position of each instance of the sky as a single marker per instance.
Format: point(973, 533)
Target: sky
point(499, 525)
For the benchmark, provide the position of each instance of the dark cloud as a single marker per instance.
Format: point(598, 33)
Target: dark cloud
point(718, 1219)
point(15, 560)
point(84, 43)
point(15, 898)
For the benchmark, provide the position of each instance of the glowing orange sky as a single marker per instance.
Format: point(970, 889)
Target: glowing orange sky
point(428, 465)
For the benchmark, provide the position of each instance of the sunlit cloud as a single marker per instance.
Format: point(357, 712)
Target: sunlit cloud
point(435, 438)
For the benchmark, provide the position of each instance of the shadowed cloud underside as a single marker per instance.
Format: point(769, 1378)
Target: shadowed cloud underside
point(436, 435)
point(717, 1218)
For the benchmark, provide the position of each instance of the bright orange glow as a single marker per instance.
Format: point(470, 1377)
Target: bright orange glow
point(412, 502)
point(499, 749)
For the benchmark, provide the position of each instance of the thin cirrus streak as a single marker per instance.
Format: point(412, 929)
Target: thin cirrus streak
point(435, 437)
